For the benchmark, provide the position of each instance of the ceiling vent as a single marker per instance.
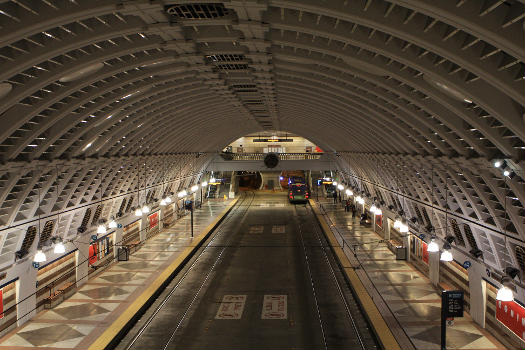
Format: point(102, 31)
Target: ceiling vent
point(198, 11)
point(232, 66)
point(225, 58)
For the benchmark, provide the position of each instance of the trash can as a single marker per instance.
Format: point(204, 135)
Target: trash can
point(401, 253)
point(123, 254)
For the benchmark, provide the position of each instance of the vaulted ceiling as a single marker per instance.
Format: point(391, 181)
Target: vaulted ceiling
point(418, 97)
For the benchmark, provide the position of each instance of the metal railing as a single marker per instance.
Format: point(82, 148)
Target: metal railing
point(260, 156)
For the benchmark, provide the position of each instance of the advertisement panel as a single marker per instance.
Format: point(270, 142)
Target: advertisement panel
point(153, 220)
point(512, 315)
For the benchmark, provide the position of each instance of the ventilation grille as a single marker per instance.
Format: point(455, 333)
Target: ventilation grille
point(198, 11)
point(122, 207)
point(457, 232)
point(225, 58)
point(130, 202)
point(85, 220)
point(47, 232)
point(470, 236)
point(28, 239)
point(98, 211)
point(232, 66)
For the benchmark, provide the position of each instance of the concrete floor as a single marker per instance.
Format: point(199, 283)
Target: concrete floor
point(252, 289)
point(405, 292)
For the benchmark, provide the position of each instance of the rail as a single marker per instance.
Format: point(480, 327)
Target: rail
point(260, 156)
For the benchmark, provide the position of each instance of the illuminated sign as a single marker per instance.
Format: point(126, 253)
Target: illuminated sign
point(273, 140)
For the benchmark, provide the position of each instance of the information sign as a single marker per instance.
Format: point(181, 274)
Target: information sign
point(453, 303)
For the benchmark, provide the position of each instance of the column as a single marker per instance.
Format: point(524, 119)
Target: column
point(117, 239)
point(82, 259)
point(433, 267)
point(386, 229)
point(25, 293)
point(406, 244)
point(478, 293)
point(161, 217)
point(144, 226)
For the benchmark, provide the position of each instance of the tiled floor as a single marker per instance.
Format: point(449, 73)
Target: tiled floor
point(76, 322)
point(409, 295)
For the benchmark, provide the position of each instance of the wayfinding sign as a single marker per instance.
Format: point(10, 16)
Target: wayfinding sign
point(453, 303)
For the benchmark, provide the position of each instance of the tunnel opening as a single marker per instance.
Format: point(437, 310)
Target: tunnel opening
point(249, 181)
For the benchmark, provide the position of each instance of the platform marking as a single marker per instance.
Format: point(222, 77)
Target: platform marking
point(278, 228)
point(256, 229)
point(231, 307)
point(275, 307)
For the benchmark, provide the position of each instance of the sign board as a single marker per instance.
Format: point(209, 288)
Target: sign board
point(467, 264)
point(512, 315)
point(153, 220)
point(452, 303)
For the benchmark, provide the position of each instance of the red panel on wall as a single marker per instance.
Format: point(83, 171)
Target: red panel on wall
point(153, 220)
point(425, 252)
point(512, 315)
point(379, 220)
point(93, 257)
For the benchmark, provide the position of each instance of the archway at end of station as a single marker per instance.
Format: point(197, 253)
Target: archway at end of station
point(249, 180)
point(287, 174)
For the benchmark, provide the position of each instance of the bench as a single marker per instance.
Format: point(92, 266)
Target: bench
point(132, 245)
point(54, 299)
point(67, 289)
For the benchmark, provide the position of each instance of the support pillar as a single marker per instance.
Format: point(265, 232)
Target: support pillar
point(143, 226)
point(26, 293)
point(406, 244)
point(478, 293)
point(433, 267)
point(161, 217)
point(117, 240)
point(82, 259)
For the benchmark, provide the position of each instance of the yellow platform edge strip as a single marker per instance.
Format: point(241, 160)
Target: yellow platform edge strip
point(381, 329)
point(114, 329)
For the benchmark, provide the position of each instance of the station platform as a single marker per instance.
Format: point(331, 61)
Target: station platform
point(100, 307)
point(405, 297)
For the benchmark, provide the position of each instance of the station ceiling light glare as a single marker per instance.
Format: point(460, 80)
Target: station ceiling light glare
point(39, 256)
point(506, 173)
point(182, 193)
point(59, 248)
point(505, 294)
point(101, 229)
point(349, 193)
point(194, 188)
point(403, 228)
point(163, 202)
point(379, 211)
point(204, 184)
point(446, 255)
point(340, 187)
point(112, 224)
point(168, 199)
point(213, 180)
point(145, 209)
point(497, 164)
point(373, 208)
point(433, 246)
point(397, 224)
point(334, 183)
point(138, 212)
point(80, 73)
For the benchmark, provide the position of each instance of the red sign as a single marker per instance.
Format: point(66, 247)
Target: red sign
point(512, 315)
point(93, 257)
point(425, 252)
point(153, 220)
point(379, 221)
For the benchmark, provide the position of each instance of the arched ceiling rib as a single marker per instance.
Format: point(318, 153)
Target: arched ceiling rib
point(383, 83)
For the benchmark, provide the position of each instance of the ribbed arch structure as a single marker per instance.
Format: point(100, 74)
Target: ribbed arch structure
point(415, 98)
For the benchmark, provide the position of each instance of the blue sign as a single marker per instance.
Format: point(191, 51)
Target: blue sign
point(36, 265)
point(422, 236)
point(467, 264)
point(119, 226)
point(93, 237)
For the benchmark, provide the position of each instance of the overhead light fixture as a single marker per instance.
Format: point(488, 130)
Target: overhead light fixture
point(59, 248)
point(433, 246)
point(194, 188)
point(162, 202)
point(204, 184)
point(497, 164)
point(213, 180)
point(145, 209)
point(138, 212)
point(349, 193)
point(340, 187)
point(182, 193)
point(505, 294)
point(379, 211)
point(403, 228)
point(334, 183)
point(101, 229)
point(39, 256)
point(373, 208)
point(446, 255)
point(112, 224)
point(506, 173)
point(168, 199)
